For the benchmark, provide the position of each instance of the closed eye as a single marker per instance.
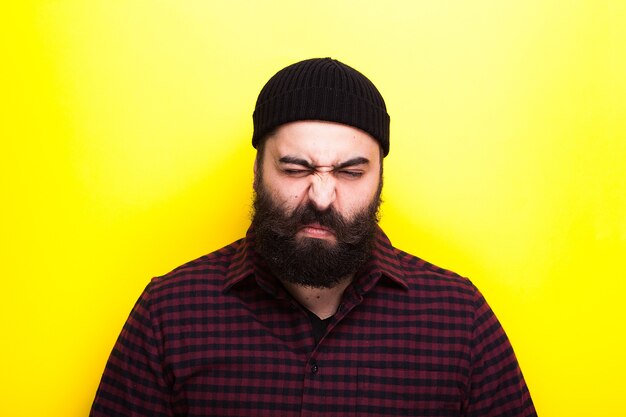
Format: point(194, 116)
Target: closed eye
point(351, 169)
point(296, 172)
point(350, 174)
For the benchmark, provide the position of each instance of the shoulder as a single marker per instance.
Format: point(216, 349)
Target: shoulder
point(421, 278)
point(427, 278)
point(208, 271)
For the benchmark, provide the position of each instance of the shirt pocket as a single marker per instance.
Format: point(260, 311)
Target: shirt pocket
point(406, 392)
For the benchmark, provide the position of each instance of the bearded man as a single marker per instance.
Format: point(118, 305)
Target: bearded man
point(314, 312)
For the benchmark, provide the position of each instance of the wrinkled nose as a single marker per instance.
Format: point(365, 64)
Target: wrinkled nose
point(322, 191)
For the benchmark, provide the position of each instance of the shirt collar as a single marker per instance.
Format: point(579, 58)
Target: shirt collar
point(384, 262)
point(246, 263)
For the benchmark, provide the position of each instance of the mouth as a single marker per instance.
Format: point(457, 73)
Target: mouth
point(317, 231)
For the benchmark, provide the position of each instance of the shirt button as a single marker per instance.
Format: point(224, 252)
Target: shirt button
point(314, 367)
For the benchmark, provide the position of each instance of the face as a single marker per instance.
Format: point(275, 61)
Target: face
point(317, 194)
point(328, 165)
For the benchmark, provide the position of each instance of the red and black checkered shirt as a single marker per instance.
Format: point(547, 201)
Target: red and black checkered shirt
point(220, 336)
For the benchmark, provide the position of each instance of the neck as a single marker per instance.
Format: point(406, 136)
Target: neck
point(323, 302)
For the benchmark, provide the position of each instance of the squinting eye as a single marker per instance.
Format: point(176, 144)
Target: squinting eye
point(351, 174)
point(296, 172)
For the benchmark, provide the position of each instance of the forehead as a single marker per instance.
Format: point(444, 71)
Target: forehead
point(322, 143)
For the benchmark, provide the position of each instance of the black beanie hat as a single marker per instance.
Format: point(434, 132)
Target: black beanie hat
point(321, 89)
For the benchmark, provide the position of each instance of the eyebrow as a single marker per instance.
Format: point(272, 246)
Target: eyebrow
point(359, 160)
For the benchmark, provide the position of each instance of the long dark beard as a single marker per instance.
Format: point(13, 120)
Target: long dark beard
point(312, 262)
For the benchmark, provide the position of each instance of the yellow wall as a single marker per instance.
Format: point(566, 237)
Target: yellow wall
point(125, 129)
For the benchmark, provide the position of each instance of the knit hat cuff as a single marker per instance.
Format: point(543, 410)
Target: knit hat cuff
point(321, 103)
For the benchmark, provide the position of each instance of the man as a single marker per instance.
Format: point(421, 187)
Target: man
point(314, 312)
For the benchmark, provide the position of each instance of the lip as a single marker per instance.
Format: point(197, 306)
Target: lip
point(317, 231)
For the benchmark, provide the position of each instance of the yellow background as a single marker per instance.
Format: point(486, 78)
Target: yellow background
point(125, 152)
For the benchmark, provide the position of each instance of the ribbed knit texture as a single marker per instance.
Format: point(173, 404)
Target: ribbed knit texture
point(321, 89)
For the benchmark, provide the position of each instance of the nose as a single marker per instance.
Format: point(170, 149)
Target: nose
point(322, 192)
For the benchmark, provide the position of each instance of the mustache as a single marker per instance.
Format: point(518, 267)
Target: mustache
point(345, 231)
point(328, 218)
point(284, 226)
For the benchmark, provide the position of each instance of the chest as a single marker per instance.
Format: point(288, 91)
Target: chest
point(376, 358)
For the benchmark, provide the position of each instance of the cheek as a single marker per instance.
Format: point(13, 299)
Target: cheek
point(289, 195)
point(357, 203)
point(358, 196)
